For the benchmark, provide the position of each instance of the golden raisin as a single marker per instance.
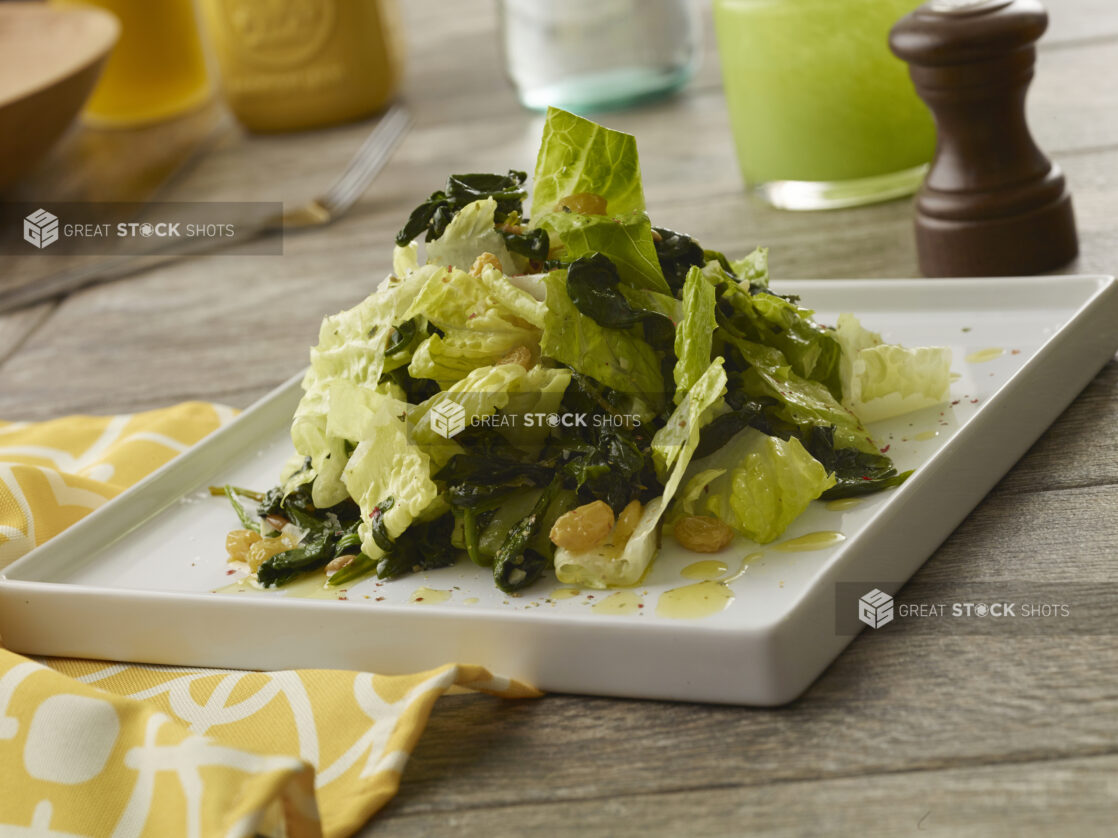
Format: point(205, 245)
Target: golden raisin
point(626, 522)
point(265, 548)
point(583, 527)
point(702, 533)
point(485, 260)
point(521, 355)
point(238, 542)
point(586, 203)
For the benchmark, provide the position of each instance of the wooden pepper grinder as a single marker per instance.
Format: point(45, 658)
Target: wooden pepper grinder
point(992, 204)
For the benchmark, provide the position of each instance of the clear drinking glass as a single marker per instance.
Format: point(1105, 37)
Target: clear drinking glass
point(823, 114)
point(585, 55)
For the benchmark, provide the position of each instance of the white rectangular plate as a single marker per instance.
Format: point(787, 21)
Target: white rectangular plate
point(135, 580)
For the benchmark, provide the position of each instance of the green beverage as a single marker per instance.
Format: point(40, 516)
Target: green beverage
point(823, 114)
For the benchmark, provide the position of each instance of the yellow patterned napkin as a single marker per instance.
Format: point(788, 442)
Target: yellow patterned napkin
point(90, 748)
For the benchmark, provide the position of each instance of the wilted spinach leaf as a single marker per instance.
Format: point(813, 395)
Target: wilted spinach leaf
point(592, 282)
point(434, 214)
point(678, 253)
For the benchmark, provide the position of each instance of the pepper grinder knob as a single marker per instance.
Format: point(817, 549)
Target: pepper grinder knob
point(992, 203)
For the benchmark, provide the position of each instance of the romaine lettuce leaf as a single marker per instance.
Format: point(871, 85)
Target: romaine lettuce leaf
point(663, 304)
point(694, 334)
point(405, 259)
point(451, 298)
point(482, 318)
point(328, 454)
point(757, 484)
point(469, 234)
point(351, 348)
point(754, 268)
point(358, 413)
point(811, 350)
point(672, 447)
point(881, 380)
point(389, 466)
point(455, 354)
point(577, 155)
point(609, 566)
point(482, 393)
point(673, 444)
point(803, 403)
point(618, 358)
point(626, 240)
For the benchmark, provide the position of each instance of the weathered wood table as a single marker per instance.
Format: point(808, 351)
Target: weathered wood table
point(907, 732)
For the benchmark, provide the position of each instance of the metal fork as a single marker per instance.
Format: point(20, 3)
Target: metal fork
point(328, 207)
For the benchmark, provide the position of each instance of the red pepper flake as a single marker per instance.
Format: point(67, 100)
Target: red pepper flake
point(885, 449)
point(589, 596)
point(864, 477)
point(343, 597)
point(473, 314)
point(230, 572)
point(1015, 352)
point(954, 403)
point(974, 401)
point(683, 423)
point(419, 599)
point(380, 599)
point(640, 605)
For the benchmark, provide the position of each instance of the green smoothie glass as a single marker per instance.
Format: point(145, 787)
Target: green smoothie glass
point(823, 115)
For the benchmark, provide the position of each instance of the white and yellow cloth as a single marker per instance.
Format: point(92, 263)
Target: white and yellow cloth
point(90, 748)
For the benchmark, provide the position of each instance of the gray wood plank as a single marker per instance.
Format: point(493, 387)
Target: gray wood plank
point(18, 326)
point(901, 700)
point(1058, 797)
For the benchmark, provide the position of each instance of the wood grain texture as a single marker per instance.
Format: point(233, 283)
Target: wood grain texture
point(908, 731)
point(1044, 798)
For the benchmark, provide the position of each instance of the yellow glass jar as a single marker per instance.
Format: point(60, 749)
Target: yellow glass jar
point(157, 69)
point(293, 64)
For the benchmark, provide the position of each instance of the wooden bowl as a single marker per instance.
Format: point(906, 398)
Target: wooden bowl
point(50, 58)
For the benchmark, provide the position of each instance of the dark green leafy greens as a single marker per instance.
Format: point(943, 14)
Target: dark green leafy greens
point(669, 352)
point(434, 214)
point(592, 285)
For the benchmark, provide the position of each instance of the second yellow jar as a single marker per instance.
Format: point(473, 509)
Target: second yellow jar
point(293, 64)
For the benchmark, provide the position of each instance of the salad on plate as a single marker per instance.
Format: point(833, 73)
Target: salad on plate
point(551, 389)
